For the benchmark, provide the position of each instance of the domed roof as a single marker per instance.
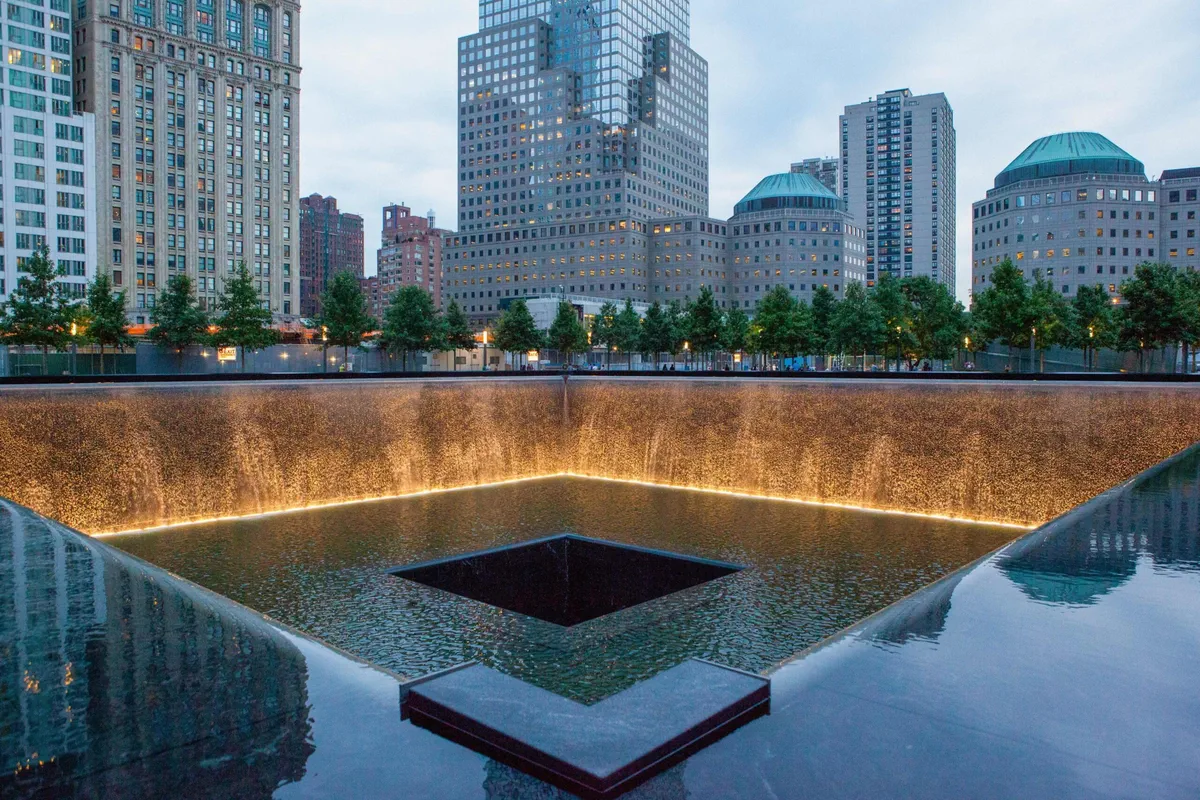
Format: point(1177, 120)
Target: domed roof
point(788, 190)
point(1069, 154)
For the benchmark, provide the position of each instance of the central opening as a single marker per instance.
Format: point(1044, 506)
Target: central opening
point(566, 580)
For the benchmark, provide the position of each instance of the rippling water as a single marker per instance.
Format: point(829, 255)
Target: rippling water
point(810, 572)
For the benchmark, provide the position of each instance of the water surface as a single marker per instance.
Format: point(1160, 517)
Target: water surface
point(810, 572)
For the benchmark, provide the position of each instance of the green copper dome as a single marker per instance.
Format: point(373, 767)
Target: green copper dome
point(788, 190)
point(1069, 154)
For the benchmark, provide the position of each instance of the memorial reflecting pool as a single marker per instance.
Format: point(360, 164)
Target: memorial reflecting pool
point(809, 573)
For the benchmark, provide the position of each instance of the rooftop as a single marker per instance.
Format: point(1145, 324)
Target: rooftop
point(1180, 174)
point(1069, 154)
point(788, 190)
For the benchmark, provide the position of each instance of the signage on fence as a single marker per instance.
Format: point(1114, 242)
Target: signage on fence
point(226, 354)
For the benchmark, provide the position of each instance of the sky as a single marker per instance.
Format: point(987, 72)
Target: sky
point(378, 94)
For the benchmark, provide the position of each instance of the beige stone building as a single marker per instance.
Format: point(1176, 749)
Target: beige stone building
point(197, 143)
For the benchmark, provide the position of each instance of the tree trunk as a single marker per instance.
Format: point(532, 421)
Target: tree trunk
point(243, 349)
point(45, 361)
point(102, 358)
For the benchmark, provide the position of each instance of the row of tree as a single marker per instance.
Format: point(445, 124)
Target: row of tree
point(1160, 309)
point(39, 314)
point(913, 320)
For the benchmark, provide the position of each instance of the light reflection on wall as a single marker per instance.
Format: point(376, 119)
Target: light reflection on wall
point(111, 459)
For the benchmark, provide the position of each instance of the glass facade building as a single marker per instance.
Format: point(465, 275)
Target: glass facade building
point(579, 122)
point(47, 151)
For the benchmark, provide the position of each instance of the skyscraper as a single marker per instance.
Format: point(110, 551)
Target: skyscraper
point(826, 170)
point(330, 242)
point(578, 123)
point(48, 152)
point(198, 143)
point(898, 179)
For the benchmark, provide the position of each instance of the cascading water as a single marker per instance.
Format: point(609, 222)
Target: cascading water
point(105, 459)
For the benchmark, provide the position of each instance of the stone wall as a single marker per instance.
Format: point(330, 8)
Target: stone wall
point(105, 459)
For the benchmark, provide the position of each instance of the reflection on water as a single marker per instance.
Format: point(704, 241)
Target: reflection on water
point(1081, 560)
point(810, 572)
point(115, 685)
point(505, 783)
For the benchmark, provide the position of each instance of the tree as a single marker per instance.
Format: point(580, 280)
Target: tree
point(516, 332)
point(1002, 310)
point(857, 324)
point(677, 328)
point(896, 311)
point(735, 330)
point(824, 304)
point(244, 320)
point(627, 331)
point(656, 335)
point(938, 322)
point(458, 333)
point(974, 339)
point(567, 334)
point(783, 325)
point(411, 324)
point(1190, 286)
point(1050, 318)
point(108, 326)
point(344, 320)
point(1094, 325)
point(1154, 315)
point(178, 321)
point(603, 329)
point(37, 313)
point(704, 323)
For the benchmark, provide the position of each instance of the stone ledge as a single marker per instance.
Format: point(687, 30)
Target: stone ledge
point(598, 751)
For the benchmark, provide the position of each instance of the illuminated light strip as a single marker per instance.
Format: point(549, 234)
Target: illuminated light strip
point(797, 501)
point(319, 506)
point(516, 481)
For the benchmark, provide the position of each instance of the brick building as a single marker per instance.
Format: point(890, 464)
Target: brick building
point(330, 242)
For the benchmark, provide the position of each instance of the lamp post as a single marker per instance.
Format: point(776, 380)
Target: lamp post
point(74, 346)
point(1091, 348)
point(485, 347)
point(324, 348)
point(898, 333)
point(967, 347)
point(1032, 351)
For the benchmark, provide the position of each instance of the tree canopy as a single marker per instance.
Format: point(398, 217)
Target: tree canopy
point(517, 332)
point(37, 313)
point(567, 334)
point(344, 319)
point(243, 319)
point(411, 324)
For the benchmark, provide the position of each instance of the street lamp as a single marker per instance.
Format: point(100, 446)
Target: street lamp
point(324, 348)
point(1033, 351)
point(485, 346)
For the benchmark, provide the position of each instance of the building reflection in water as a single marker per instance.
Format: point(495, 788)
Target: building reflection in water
point(117, 681)
point(1085, 557)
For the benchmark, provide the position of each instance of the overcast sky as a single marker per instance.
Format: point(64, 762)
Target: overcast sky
point(379, 90)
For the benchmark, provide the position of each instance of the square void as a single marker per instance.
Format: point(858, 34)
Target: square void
point(566, 580)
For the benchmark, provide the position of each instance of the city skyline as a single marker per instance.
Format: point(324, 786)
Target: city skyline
point(999, 106)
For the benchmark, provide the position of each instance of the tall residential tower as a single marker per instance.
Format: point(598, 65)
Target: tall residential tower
point(899, 181)
point(197, 143)
point(578, 123)
point(47, 150)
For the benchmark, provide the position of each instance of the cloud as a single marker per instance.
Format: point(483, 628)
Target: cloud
point(379, 113)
